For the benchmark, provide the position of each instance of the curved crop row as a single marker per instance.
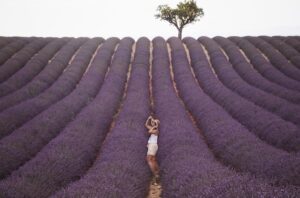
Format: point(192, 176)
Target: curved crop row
point(264, 124)
point(121, 169)
point(32, 67)
point(229, 77)
point(14, 148)
point(11, 48)
point(188, 168)
point(229, 140)
point(5, 41)
point(263, 66)
point(295, 43)
point(288, 51)
point(245, 70)
point(45, 78)
point(15, 116)
point(68, 156)
point(21, 58)
point(276, 58)
point(282, 38)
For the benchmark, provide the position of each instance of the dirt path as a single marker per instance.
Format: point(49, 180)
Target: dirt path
point(154, 191)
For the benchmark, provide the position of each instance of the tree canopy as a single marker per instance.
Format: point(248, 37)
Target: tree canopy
point(186, 12)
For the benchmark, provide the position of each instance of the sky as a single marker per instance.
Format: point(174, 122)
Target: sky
point(135, 18)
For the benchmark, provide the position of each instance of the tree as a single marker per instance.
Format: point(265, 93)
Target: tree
point(186, 12)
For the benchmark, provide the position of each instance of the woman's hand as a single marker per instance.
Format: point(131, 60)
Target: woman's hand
point(152, 125)
point(148, 123)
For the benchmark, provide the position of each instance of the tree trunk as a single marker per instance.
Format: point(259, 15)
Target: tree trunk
point(180, 33)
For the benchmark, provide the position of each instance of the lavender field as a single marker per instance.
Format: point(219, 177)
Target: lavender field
point(72, 114)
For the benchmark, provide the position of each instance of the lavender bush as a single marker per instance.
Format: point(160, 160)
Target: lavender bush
point(288, 51)
point(264, 124)
point(32, 67)
point(11, 48)
point(120, 169)
point(77, 128)
point(45, 78)
point(14, 149)
point(228, 76)
point(20, 58)
point(15, 116)
point(4, 41)
point(68, 156)
point(245, 70)
point(263, 66)
point(188, 168)
point(276, 58)
point(295, 43)
point(230, 141)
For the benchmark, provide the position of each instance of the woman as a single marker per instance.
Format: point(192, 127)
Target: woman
point(152, 126)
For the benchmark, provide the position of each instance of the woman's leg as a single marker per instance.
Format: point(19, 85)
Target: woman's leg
point(153, 164)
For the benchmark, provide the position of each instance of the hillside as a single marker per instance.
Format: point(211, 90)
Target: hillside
point(72, 114)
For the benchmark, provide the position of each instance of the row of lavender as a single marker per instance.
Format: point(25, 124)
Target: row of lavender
point(263, 66)
point(32, 67)
point(73, 147)
point(197, 173)
point(276, 58)
point(9, 46)
point(5, 40)
point(293, 41)
point(246, 103)
point(233, 81)
point(71, 152)
point(14, 63)
point(231, 141)
point(46, 125)
point(13, 117)
point(120, 169)
point(276, 105)
point(255, 76)
point(198, 170)
point(45, 78)
point(283, 108)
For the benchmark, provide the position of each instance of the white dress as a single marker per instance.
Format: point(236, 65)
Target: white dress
point(152, 139)
point(152, 145)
